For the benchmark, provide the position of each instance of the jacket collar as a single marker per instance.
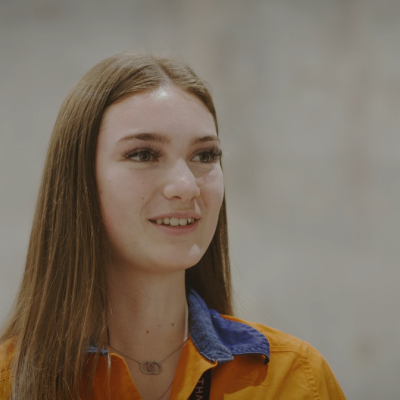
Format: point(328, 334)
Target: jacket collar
point(217, 338)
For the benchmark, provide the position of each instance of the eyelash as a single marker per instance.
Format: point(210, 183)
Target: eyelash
point(214, 152)
point(133, 153)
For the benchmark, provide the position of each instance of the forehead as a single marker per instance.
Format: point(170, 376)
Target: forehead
point(166, 110)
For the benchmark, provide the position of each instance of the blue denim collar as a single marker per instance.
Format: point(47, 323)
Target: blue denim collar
point(217, 338)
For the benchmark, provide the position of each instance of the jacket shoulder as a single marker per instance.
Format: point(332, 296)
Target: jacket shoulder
point(279, 341)
point(289, 355)
point(6, 356)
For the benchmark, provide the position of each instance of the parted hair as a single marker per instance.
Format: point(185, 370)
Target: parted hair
point(62, 302)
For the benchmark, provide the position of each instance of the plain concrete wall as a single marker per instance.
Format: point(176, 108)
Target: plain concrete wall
point(308, 94)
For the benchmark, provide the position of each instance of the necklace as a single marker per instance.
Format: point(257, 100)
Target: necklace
point(166, 390)
point(151, 367)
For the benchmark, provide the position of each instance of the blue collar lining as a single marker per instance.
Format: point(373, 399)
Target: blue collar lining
point(219, 339)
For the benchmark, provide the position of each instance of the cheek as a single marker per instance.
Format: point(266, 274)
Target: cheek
point(214, 190)
point(122, 196)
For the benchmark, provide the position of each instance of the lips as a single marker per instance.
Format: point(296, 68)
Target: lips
point(174, 221)
point(177, 230)
point(177, 223)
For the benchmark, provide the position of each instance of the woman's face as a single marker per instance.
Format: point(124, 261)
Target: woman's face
point(155, 151)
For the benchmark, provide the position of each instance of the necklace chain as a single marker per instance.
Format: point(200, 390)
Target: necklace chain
point(166, 390)
point(150, 364)
point(151, 367)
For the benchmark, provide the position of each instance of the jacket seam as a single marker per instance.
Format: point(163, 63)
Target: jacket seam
point(305, 365)
point(277, 349)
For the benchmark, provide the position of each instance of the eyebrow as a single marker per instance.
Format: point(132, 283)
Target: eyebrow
point(165, 139)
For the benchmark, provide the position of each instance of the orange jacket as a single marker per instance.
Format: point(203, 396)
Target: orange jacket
point(244, 364)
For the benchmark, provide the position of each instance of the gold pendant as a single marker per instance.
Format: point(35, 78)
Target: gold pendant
point(151, 367)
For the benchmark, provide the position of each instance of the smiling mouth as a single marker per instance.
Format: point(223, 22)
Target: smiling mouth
point(175, 221)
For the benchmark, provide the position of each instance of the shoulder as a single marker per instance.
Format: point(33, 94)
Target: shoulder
point(297, 362)
point(279, 341)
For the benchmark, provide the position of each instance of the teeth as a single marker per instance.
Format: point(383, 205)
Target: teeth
point(175, 221)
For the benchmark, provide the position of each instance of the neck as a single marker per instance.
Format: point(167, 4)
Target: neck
point(148, 312)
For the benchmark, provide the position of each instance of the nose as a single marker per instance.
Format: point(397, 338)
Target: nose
point(181, 183)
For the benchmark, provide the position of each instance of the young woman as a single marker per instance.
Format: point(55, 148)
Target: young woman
point(127, 271)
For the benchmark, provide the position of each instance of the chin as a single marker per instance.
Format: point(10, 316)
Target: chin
point(177, 260)
point(162, 259)
point(177, 263)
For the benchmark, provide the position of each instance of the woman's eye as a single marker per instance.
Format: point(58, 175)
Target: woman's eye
point(204, 157)
point(142, 155)
point(208, 156)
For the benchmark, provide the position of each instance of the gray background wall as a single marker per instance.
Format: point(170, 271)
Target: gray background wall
point(308, 94)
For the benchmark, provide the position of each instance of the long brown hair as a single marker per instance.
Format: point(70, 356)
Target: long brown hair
point(62, 302)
